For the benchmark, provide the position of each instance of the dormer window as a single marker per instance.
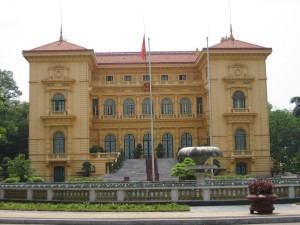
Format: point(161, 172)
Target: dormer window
point(58, 102)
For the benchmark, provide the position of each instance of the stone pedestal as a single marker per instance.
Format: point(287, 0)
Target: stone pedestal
point(200, 172)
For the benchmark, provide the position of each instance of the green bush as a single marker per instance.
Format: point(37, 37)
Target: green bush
point(86, 179)
point(94, 149)
point(36, 180)
point(180, 171)
point(232, 177)
point(12, 180)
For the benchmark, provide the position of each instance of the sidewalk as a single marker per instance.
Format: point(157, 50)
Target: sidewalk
point(283, 213)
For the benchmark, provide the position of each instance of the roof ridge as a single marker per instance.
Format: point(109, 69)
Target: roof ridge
point(59, 45)
point(152, 52)
point(230, 43)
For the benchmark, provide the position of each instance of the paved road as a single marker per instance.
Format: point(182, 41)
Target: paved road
point(229, 215)
point(243, 208)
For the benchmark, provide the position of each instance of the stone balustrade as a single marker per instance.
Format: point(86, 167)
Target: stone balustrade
point(139, 192)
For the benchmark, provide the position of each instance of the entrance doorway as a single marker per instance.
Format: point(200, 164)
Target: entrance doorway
point(129, 144)
point(59, 174)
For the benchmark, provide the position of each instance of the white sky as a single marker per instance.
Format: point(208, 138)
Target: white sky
point(118, 25)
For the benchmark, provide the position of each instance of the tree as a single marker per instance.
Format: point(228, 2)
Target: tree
point(20, 167)
point(9, 89)
point(180, 170)
point(296, 110)
point(160, 150)
point(87, 169)
point(4, 165)
point(284, 137)
point(138, 151)
point(13, 117)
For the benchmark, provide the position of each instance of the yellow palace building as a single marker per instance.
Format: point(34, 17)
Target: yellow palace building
point(80, 98)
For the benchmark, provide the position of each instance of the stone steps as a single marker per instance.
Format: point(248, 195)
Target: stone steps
point(135, 169)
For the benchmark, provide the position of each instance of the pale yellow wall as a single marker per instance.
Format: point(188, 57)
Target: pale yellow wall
point(86, 81)
point(254, 121)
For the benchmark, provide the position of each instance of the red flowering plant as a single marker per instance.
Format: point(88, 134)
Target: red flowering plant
point(261, 187)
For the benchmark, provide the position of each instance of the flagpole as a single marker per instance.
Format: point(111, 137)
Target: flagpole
point(209, 102)
point(151, 111)
point(209, 95)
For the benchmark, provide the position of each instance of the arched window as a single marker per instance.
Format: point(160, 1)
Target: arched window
point(166, 106)
point(147, 146)
point(58, 143)
point(129, 144)
point(185, 106)
point(241, 168)
point(128, 107)
point(58, 102)
point(146, 106)
point(238, 100)
point(167, 141)
point(109, 107)
point(186, 140)
point(240, 139)
point(110, 143)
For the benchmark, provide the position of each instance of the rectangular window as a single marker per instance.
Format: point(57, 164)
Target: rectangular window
point(182, 77)
point(146, 77)
point(109, 78)
point(127, 78)
point(199, 106)
point(164, 77)
point(95, 107)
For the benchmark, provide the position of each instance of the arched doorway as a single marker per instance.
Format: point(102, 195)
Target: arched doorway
point(167, 141)
point(129, 143)
point(147, 146)
point(186, 140)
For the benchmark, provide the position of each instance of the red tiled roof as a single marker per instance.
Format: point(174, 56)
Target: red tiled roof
point(59, 46)
point(135, 57)
point(235, 44)
point(167, 57)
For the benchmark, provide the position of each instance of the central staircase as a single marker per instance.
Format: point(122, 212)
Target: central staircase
point(136, 170)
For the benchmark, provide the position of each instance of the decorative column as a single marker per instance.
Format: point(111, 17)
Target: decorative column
point(157, 108)
point(176, 115)
point(138, 108)
point(48, 105)
point(119, 107)
point(69, 102)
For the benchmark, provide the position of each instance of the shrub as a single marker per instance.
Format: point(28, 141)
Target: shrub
point(160, 150)
point(12, 180)
point(232, 177)
point(180, 171)
point(260, 187)
point(36, 180)
point(20, 167)
point(94, 149)
point(86, 179)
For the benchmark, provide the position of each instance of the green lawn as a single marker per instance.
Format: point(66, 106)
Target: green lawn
point(90, 207)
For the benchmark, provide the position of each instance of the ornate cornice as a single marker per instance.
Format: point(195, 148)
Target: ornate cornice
point(58, 120)
point(56, 81)
point(236, 117)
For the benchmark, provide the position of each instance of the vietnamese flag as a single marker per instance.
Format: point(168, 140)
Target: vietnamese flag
point(143, 51)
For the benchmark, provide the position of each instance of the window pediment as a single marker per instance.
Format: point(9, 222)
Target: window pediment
point(58, 75)
point(238, 72)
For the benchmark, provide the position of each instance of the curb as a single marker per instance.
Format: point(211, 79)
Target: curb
point(161, 221)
